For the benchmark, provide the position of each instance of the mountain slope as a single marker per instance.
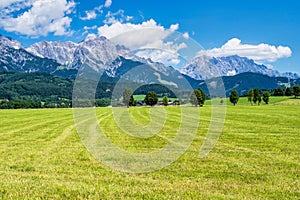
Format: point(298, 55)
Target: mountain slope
point(42, 86)
point(62, 52)
point(204, 67)
point(73, 55)
point(14, 58)
point(249, 80)
point(100, 55)
point(15, 85)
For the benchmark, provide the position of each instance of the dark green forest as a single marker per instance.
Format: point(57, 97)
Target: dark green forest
point(38, 90)
point(42, 90)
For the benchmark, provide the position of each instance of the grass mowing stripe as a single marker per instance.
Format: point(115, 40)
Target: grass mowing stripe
point(62, 168)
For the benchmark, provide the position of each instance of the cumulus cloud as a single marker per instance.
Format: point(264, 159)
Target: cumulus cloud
point(161, 56)
point(174, 27)
point(6, 3)
point(260, 53)
point(89, 15)
point(107, 3)
point(148, 39)
point(167, 53)
point(152, 32)
point(92, 14)
point(186, 35)
point(39, 18)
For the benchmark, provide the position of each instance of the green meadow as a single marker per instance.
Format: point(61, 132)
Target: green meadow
point(256, 157)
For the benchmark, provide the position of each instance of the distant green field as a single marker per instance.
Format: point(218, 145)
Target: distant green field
point(244, 101)
point(256, 157)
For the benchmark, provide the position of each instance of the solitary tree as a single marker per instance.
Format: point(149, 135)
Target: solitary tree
point(234, 97)
point(193, 98)
point(128, 97)
point(296, 89)
point(250, 96)
point(288, 92)
point(198, 97)
point(256, 96)
point(151, 98)
point(165, 101)
point(266, 96)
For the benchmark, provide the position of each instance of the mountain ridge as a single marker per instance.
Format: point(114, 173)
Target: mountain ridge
point(205, 67)
point(66, 58)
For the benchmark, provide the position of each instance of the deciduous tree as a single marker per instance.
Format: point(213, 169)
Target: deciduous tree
point(266, 97)
point(198, 97)
point(278, 92)
point(151, 98)
point(296, 89)
point(288, 92)
point(250, 96)
point(256, 96)
point(165, 101)
point(234, 97)
point(128, 97)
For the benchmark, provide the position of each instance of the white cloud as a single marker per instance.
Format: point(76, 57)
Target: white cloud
point(186, 35)
point(89, 15)
point(91, 36)
point(165, 52)
point(260, 53)
point(148, 39)
point(40, 17)
point(86, 28)
point(107, 3)
point(152, 32)
point(161, 56)
point(118, 16)
point(92, 14)
point(174, 27)
point(6, 3)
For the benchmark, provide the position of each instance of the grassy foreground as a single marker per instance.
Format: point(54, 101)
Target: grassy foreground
point(256, 157)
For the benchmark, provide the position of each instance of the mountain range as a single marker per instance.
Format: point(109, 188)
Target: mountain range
point(115, 61)
point(205, 67)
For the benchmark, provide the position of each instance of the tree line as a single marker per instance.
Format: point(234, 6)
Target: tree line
point(256, 96)
point(150, 99)
point(40, 90)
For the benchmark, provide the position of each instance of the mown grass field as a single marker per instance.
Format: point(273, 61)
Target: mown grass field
point(256, 157)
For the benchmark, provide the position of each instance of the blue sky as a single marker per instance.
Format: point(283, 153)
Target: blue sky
point(266, 31)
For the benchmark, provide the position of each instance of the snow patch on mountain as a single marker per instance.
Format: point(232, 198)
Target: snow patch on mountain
point(9, 42)
point(205, 67)
point(102, 54)
point(62, 52)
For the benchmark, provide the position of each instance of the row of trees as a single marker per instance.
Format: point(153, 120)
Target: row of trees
point(197, 98)
point(62, 103)
point(151, 98)
point(256, 96)
point(285, 92)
